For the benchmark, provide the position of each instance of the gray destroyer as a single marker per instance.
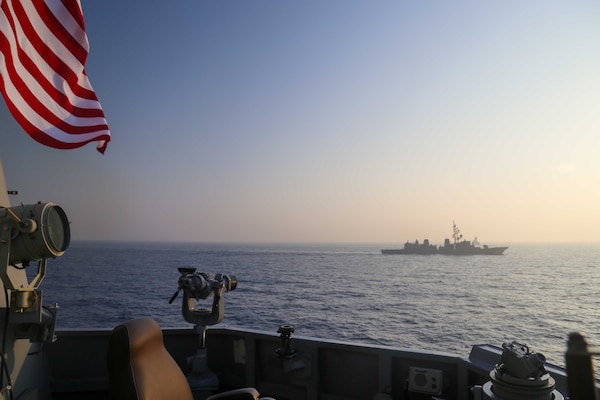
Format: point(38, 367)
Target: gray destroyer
point(458, 247)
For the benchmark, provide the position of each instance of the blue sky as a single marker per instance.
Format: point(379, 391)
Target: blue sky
point(332, 121)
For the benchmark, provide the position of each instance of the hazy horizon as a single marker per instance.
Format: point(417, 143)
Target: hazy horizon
point(396, 244)
point(332, 122)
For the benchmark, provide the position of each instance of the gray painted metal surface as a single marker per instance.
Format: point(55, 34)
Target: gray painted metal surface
point(321, 369)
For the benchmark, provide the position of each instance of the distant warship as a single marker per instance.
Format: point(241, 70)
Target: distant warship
point(457, 248)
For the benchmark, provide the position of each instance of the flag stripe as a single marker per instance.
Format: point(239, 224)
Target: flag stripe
point(37, 96)
point(63, 141)
point(61, 30)
point(50, 49)
point(43, 48)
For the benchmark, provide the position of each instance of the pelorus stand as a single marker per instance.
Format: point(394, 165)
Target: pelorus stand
point(198, 286)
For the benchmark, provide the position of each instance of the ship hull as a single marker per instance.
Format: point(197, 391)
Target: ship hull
point(450, 251)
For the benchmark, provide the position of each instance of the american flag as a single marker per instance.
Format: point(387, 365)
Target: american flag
point(43, 49)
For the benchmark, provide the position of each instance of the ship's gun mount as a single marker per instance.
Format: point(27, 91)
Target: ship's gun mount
point(520, 374)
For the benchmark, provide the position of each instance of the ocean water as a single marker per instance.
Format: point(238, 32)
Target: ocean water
point(535, 294)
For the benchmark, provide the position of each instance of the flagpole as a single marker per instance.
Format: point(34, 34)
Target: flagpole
point(4, 201)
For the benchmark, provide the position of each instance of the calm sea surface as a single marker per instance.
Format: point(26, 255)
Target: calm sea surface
point(535, 294)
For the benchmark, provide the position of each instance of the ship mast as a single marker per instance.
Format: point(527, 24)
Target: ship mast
point(455, 233)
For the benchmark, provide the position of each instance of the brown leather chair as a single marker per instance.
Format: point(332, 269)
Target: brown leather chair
point(141, 368)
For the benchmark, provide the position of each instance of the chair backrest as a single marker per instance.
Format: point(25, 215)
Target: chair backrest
point(139, 365)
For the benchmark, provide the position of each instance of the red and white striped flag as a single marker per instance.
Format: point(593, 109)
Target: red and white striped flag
point(43, 49)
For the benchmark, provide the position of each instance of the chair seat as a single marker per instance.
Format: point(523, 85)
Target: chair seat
point(139, 365)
